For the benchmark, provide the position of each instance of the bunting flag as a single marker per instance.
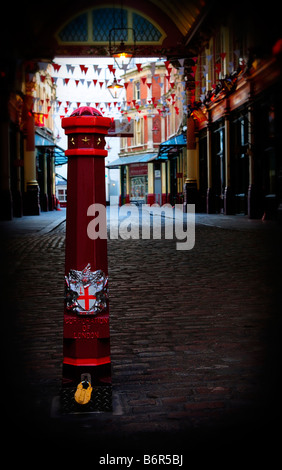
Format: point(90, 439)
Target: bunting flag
point(198, 76)
point(56, 67)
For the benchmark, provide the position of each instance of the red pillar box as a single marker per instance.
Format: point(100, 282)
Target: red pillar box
point(86, 347)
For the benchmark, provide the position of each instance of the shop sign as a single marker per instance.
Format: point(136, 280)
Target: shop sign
point(199, 115)
point(121, 129)
point(38, 119)
point(137, 169)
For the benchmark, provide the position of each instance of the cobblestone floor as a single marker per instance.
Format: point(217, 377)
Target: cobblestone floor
point(195, 339)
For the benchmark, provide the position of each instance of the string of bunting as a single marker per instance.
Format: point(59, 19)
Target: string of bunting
point(200, 68)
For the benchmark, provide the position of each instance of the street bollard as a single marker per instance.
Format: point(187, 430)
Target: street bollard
point(86, 384)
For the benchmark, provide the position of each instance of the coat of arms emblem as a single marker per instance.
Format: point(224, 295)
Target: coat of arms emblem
point(86, 291)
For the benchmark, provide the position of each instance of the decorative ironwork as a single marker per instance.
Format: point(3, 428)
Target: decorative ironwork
point(145, 30)
point(76, 30)
point(106, 19)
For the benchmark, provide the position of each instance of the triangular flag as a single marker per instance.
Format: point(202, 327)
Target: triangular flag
point(111, 68)
point(56, 67)
point(139, 67)
point(70, 68)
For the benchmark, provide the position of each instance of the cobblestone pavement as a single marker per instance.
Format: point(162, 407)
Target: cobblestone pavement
point(195, 338)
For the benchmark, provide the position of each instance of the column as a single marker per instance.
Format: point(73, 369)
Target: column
point(191, 186)
point(228, 199)
point(31, 188)
point(127, 196)
point(254, 198)
point(164, 189)
point(151, 194)
point(168, 181)
point(6, 193)
point(210, 199)
point(18, 203)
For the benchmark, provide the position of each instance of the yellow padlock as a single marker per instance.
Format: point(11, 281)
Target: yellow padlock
point(83, 393)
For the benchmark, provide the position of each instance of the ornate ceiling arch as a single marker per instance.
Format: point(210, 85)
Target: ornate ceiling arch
point(163, 27)
point(160, 26)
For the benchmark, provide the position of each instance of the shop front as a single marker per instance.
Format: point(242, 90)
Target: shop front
point(173, 168)
point(136, 178)
point(138, 175)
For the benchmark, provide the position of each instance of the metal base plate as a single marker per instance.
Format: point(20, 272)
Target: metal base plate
point(101, 400)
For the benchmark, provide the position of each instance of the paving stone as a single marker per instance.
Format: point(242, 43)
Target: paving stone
point(195, 336)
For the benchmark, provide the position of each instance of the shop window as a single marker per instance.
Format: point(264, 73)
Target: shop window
point(139, 188)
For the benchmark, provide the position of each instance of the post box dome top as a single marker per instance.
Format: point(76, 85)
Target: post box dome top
point(86, 111)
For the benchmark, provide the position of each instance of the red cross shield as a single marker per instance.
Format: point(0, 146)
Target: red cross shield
point(87, 297)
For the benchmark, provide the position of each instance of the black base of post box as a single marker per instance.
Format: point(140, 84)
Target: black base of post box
point(101, 400)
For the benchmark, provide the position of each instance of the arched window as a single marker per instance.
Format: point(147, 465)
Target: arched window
point(93, 27)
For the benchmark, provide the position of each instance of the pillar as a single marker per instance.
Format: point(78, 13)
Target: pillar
point(254, 195)
point(31, 187)
point(164, 189)
point(18, 203)
point(6, 193)
point(190, 185)
point(210, 198)
point(86, 343)
point(168, 181)
point(228, 198)
point(127, 196)
point(151, 194)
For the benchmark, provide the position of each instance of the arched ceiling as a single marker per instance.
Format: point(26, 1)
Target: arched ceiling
point(36, 26)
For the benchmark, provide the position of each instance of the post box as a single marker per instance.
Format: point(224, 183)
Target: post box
point(86, 384)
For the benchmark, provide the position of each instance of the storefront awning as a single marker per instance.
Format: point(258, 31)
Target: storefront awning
point(58, 152)
point(170, 148)
point(141, 158)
